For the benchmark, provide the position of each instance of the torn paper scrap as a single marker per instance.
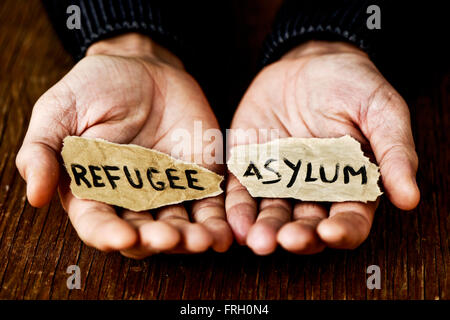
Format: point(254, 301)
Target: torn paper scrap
point(308, 169)
point(132, 176)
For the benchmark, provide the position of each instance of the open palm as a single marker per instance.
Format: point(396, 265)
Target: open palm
point(138, 100)
point(323, 90)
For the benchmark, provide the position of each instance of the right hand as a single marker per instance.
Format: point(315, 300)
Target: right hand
point(126, 90)
point(323, 89)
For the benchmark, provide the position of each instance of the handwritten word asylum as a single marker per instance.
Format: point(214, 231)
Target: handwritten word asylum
point(269, 173)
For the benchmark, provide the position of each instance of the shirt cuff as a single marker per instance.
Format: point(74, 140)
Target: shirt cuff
point(332, 20)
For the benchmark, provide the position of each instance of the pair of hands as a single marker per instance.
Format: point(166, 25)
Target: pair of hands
point(128, 89)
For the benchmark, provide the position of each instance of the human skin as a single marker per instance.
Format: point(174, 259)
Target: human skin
point(323, 89)
point(127, 89)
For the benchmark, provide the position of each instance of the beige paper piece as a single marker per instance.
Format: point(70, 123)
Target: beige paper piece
point(132, 176)
point(309, 169)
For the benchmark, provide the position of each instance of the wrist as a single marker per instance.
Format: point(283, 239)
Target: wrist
point(134, 45)
point(316, 48)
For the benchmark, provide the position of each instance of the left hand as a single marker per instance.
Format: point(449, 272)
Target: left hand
point(129, 90)
point(323, 89)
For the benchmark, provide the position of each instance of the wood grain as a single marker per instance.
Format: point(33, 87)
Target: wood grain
point(37, 245)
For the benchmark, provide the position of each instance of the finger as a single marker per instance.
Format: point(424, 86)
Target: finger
point(274, 213)
point(240, 208)
point(300, 236)
point(37, 159)
point(154, 236)
point(96, 223)
point(38, 165)
point(194, 237)
point(348, 225)
point(388, 128)
point(210, 212)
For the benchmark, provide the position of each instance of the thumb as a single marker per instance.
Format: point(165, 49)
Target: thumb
point(37, 160)
point(387, 125)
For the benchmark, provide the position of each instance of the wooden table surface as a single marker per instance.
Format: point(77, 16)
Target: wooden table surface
point(37, 245)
